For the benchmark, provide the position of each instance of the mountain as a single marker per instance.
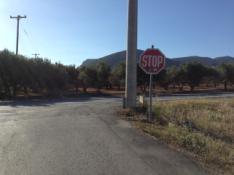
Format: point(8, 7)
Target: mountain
point(225, 59)
point(116, 58)
point(112, 60)
point(203, 60)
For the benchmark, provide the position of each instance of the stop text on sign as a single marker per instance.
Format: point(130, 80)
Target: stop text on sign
point(152, 61)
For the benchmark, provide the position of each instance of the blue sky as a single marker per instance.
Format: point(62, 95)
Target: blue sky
point(69, 31)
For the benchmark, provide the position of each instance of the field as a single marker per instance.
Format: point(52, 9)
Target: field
point(202, 128)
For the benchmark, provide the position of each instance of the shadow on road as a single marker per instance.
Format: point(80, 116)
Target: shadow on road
point(47, 102)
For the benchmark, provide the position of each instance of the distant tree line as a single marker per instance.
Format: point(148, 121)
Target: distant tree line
point(23, 76)
point(192, 75)
point(19, 74)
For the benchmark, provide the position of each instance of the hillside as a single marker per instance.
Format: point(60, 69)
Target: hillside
point(116, 58)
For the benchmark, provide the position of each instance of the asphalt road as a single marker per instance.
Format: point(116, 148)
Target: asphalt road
point(81, 138)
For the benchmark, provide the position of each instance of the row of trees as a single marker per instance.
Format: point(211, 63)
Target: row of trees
point(19, 74)
point(192, 75)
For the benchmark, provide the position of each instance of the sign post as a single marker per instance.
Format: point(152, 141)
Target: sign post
point(152, 62)
point(150, 96)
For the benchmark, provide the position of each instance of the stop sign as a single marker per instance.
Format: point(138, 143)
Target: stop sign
point(152, 61)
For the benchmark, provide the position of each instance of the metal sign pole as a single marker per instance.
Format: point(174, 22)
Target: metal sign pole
point(150, 96)
point(152, 61)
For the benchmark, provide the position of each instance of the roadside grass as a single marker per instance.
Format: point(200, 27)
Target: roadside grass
point(203, 127)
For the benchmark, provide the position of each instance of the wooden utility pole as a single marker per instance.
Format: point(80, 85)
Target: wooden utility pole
point(36, 55)
point(17, 30)
point(131, 56)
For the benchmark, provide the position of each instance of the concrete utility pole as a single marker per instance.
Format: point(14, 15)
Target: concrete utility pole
point(131, 56)
point(36, 55)
point(17, 34)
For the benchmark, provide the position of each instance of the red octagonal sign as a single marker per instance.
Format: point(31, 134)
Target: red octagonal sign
point(152, 61)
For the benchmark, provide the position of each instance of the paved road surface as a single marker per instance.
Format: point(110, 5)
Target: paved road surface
point(80, 138)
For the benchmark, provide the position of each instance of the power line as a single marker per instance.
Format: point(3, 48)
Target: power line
point(26, 33)
point(18, 18)
point(32, 43)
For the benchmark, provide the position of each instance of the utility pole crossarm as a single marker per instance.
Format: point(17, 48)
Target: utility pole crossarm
point(18, 17)
point(36, 55)
point(17, 30)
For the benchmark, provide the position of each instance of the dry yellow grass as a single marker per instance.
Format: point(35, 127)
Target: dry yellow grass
point(214, 117)
point(203, 127)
